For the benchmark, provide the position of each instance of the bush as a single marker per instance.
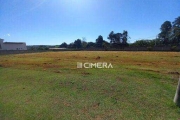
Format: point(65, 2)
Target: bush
point(174, 48)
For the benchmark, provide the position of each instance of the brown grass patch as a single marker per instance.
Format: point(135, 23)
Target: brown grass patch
point(174, 73)
point(98, 57)
point(85, 73)
point(57, 71)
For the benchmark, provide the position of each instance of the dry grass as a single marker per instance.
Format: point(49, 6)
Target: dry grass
point(48, 86)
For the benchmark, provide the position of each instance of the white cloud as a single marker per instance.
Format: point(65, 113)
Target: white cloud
point(8, 34)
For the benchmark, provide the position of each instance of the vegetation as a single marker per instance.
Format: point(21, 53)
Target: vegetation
point(118, 39)
point(99, 41)
point(64, 45)
point(49, 86)
point(169, 36)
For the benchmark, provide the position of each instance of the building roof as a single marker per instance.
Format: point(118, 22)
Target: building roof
point(13, 43)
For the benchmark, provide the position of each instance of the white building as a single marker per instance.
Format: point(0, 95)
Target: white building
point(12, 45)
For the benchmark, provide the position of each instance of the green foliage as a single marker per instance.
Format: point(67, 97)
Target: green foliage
point(71, 45)
point(77, 43)
point(32, 48)
point(106, 45)
point(42, 47)
point(99, 41)
point(118, 39)
point(84, 44)
point(145, 43)
point(170, 33)
point(90, 45)
point(63, 45)
point(166, 26)
point(56, 46)
point(175, 36)
point(174, 48)
point(165, 30)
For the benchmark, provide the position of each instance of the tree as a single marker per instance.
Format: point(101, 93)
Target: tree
point(63, 45)
point(84, 44)
point(71, 45)
point(77, 43)
point(42, 47)
point(165, 32)
point(175, 34)
point(32, 48)
point(125, 37)
point(99, 41)
point(90, 45)
point(111, 37)
point(105, 45)
point(114, 37)
point(118, 39)
point(144, 43)
point(166, 26)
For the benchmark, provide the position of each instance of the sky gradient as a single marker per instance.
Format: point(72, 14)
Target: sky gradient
point(51, 22)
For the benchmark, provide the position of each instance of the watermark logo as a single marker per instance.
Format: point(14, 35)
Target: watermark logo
point(94, 65)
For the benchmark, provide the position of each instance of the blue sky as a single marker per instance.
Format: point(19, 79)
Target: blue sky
point(51, 22)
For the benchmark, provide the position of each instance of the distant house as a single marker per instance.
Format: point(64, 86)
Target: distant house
point(12, 45)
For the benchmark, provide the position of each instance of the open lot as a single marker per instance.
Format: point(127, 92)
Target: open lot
point(141, 85)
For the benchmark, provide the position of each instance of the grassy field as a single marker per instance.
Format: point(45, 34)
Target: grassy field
point(48, 85)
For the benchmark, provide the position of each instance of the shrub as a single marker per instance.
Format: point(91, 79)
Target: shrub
point(173, 48)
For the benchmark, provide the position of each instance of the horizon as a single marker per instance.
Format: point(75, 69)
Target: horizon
point(45, 22)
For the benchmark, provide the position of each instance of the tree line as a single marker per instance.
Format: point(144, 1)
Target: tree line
point(169, 36)
point(116, 40)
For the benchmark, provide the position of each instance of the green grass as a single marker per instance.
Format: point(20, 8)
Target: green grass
point(48, 86)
